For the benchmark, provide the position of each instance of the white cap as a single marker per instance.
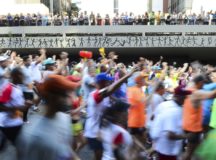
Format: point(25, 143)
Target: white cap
point(3, 58)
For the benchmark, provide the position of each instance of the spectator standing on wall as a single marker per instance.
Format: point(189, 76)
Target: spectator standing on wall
point(180, 18)
point(122, 19)
point(39, 19)
point(22, 20)
point(28, 19)
point(34, 20)
point(174, 17)
point(126, 18)
point(116, 19)
point(131, 19)
point(214, 18)
point(99, 19)
point(86, 18)
point(74, 19)
point(81, 19)
point(199, 20)
point(158, 18)
point(16, 20)
point(138, 20)
point(185, 19)
point(152, 18)
point(66, 19)
point(92, 19)
point(107, 19)
point(145, 18)
point(10, 19)
point(44, 20)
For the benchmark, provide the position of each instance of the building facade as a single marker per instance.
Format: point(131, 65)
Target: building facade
point(184, 6)
point(27, 1)
point(158, 5)
point(58, 6)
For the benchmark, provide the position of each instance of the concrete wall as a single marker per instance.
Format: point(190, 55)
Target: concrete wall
point(107, 36)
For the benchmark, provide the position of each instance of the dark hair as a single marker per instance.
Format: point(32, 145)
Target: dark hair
point(35, 55)
point(159, 86)
point(16, 71)
point(199, 78)
point(25, 58)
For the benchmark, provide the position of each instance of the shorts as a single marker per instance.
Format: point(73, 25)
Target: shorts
point(193, 137)
point(94, 144)
point(166, 157)
point(28, 95)
point(77, 127)
point(136, 131)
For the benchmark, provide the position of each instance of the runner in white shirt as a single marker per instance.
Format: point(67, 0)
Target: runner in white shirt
point(98, 101)
point(166, 130)
point(153, 101)
point(117, 142)
point(12, 101)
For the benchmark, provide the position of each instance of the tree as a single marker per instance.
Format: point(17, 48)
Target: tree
point(74, 7)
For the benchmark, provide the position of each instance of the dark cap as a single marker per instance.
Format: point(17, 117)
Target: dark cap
point(103, 77)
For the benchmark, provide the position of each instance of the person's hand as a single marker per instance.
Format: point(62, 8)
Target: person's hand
point(115, 57)
point(164, 64)
point(186, 64)
point(142, 59)
point(54, 57)
point(13, 55)
point(161, 57)
point(42, 51)
point(137, 67)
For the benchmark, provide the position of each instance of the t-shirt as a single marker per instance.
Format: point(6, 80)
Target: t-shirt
point(213, 115)
point(2, 74)
point(207, 149)
point(121, 92)
point(115, 135)
point(86, 88)
point(36, 72)
point(207, 104)
point(155, 100)
point(170, 120)
point(46, 74)
point(136, 112)
point(28, 78)
point(46, 138)
point(192, 115)
point(8, 119)
point(95, 107)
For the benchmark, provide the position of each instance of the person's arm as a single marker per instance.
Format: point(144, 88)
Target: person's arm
point(42, 56)
point(113, 87)
point(202, 95)
point(174, 136)
point(164, 71)
point(4, 108)
point(183, 69)
point(159, 62)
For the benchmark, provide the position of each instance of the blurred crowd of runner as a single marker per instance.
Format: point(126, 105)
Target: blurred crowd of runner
point(84, 18)
point(121, 111)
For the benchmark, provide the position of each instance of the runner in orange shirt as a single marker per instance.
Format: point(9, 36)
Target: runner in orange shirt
point(136, 112)
point(192, 114)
